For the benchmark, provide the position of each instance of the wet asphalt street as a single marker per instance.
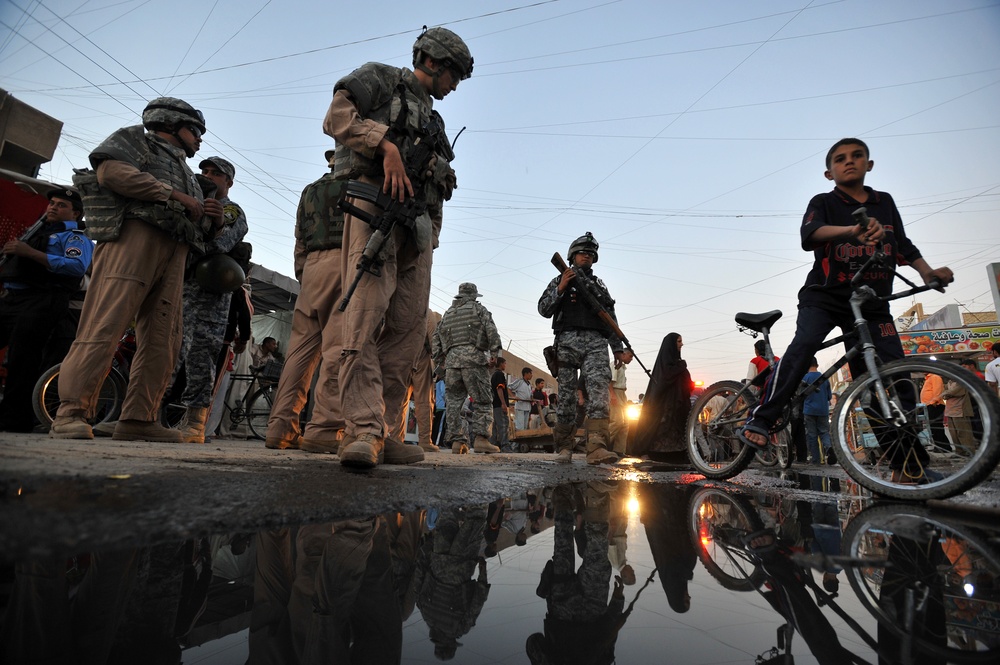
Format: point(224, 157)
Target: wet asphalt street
point(65, 496)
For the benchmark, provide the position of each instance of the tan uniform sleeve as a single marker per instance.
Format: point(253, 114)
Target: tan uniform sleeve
point(343, 123)
point(130, 182)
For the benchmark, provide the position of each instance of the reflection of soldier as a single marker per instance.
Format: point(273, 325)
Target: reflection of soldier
point(581, 626)
point(449, 599)
point(463, 341)
point(330, 597)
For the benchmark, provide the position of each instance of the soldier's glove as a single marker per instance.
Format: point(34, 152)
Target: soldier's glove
point(440, 172)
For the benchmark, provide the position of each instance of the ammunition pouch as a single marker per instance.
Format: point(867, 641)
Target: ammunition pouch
point(551, 355)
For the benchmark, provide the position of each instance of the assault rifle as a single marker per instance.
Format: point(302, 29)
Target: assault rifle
point(32, 231)
point(392, 212)
point(586, 289)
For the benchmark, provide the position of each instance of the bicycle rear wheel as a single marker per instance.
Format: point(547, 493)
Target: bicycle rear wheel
point(45, 397)
point(259, 410)
point(713, 445)
point(782, 444)
point(718, 522)
point(919, 563)
point(868, 446)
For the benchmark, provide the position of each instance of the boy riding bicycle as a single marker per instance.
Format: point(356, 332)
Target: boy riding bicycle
point(841, 246)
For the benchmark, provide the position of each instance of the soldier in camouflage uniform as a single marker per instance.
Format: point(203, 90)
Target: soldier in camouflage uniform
point(317, 325)
point(582, 341)
point(449, 598)
point(145, 215)
point(206, 311)
point(377, 115)
point(466, 344)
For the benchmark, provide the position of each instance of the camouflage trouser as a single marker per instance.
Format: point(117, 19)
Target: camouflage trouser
point(462, 382)
point(458, 537)
point(205, 317)
point(579, 595)
point(583, 356)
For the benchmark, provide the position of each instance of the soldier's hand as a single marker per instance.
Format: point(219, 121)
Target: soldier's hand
point(564, 281)
point(214, 211)
point(397, 184)
point(195, 209)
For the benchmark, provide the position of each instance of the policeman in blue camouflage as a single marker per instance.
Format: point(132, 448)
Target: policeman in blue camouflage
point(582, 341)
point(466, 344)
point(206, 309)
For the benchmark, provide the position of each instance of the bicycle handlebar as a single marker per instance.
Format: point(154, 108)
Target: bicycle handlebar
point(878, 259)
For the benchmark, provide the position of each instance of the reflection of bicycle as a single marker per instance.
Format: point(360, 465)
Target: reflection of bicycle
point(930, 579)
point(718, 523)
point(877, 418)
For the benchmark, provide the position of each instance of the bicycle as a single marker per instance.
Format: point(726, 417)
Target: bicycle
point(873, 422)
point(254, 406)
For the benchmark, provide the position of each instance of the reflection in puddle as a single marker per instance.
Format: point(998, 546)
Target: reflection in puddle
point(594, 572)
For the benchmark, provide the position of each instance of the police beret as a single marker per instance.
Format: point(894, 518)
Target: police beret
point(68, 194)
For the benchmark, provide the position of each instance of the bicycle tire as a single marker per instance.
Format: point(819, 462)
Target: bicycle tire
point(876, 528)
point(45, 397)
point(782, 444)
point(866, 459)
point(768, 457)
point(731, 566)
point(713, 445)
point(259, 411)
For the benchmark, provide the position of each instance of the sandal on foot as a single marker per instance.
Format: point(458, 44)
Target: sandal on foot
point(756, 429)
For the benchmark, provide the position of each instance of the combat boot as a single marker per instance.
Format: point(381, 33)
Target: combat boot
point(562, 436)
point(365, 452)
point(396, 452)
point(70, 427)
point(192, 428)
point(142, 430)
point(483, 445)
point(429, 447)
point(598, 438)
point(459, 447)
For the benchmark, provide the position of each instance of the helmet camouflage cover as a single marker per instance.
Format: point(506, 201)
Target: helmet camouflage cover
point(586, 242)
point(165, 113)
point(446, 48)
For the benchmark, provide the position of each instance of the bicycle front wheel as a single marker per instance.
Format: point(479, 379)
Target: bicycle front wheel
point(718, 523)
point(886, 456)
point(259, 410)
point(45, 397)
point(713, 445)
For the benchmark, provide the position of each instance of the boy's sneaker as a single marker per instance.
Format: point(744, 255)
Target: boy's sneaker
point(70, 427)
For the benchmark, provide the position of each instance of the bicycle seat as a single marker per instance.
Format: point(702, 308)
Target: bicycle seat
point(758, 321)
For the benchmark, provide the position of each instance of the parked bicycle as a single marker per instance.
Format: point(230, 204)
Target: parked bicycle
point(877, 420)
point(254, 407)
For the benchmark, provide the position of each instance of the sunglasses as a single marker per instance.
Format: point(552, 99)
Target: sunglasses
point(194, 131)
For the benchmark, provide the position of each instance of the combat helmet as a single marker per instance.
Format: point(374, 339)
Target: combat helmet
point(586, 242)
point(446, 48)
point(166, 113)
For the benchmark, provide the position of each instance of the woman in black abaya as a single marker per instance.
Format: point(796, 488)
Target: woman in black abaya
point(660, 430)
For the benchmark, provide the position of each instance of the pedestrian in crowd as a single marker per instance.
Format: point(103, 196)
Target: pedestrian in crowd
point(501, 404)
point(618, 421)
point(206, 304)
point(831, 232)
point(993, 369)
point(382, 324)
point(582, 341)
point(422, 382)
point(539, 402)
point(155, 212)
point(234, 342)
point(660, 432)
point(439, 411)
point(521, 388)
point(466, 343)
point(930, 395)
point(263, 353)
point(317, 325)
point(958, 411)
point(976, 419)
point(759, 366)
point(39, 278)
point(816, 414)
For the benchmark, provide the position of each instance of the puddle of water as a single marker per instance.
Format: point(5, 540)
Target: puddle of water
point(584, 573)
